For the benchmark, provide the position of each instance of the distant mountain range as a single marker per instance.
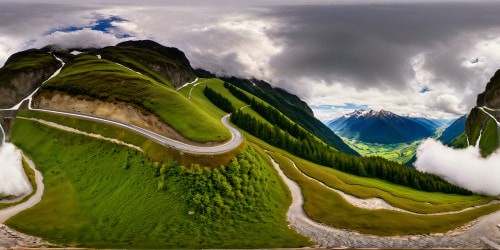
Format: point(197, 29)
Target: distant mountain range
point(455, 129)
point(383, 127)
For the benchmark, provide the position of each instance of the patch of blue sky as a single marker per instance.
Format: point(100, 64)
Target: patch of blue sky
point(424, 89)
point(101, 24)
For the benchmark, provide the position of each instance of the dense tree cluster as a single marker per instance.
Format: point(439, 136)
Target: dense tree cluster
point(217, 192)
point(284, 134)
point(219, 100)
point(270, 114)
point(237, 93)
point(292, 107)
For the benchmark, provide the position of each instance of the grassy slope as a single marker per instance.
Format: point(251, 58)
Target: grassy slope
point(108, 81)
point(479, 122)
point(128, 56)
point(92, 200)
point(151, 148)
point(460, 141)
point(217, 85)
point(198, 98)
point(489, 138)
point(397, 195)
point(365, 186)
point(328, 207)
point(25, 61)
point(321, 201)
point(294, 109)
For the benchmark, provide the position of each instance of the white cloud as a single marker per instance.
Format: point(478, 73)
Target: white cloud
point(80, 38)
point(8, 46)
point(433, 104)
point(13, 181)
point(241, 40)
point(463, 167)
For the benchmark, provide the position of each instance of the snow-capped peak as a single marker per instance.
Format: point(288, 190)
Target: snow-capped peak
point(368, 113)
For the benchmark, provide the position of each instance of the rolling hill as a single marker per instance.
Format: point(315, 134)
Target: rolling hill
point(382, 127)
point(109, 186)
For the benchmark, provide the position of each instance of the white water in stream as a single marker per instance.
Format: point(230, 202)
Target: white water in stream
point(13, 180)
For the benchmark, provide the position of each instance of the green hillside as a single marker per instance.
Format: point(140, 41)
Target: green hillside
point(294, 108)
point(481, 121)
point(167, 65)
point(100, 194)
point(22, 73)
point(115, 197)
point(88, 76)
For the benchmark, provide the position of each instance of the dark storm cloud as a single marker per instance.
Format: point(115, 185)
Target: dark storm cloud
point(370, 45)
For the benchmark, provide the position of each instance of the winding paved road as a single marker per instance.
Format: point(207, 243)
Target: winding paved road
point(234, 142)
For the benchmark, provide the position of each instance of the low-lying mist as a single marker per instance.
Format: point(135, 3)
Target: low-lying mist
point(13, 180)
point(463, 167)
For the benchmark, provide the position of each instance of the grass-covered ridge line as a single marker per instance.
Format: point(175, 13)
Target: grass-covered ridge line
point(128, 56)
point(104, 80)
point(99, 194)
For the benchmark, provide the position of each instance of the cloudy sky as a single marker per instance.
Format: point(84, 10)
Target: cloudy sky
point(418, 58)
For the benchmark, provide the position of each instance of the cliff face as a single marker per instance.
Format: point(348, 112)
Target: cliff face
point(491, 95)
point(168, 63)
point(23, 73)
point(482, 127)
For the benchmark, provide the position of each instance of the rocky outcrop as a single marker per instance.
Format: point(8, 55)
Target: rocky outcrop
point(491, 95)
point(23, 73)
point(481, 126)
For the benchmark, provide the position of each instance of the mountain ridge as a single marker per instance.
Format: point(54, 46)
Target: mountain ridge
point(482, 126)
point(293, 107)
point(379, 127)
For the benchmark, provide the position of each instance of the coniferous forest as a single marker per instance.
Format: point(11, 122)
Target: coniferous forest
point(287, 135)
point(218, 100)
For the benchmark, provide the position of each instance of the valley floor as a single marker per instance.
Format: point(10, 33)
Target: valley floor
point(400, 152)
